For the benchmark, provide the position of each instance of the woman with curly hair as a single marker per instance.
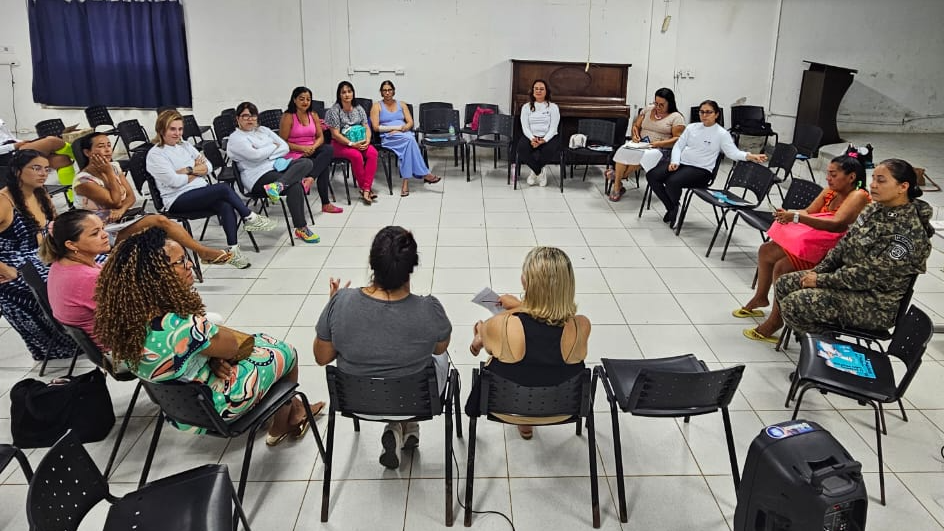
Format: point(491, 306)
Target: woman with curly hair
point(154, 322)
point(25, 214)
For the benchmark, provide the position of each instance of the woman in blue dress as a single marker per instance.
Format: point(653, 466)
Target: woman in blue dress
point(25, 212)
point(392, 119)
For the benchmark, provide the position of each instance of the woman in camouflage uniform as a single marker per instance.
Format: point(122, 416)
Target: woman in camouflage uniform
point(862, 280)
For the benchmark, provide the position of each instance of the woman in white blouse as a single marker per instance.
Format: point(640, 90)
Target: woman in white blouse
point(540, 144)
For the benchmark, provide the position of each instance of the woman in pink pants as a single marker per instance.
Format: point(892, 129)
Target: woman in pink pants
point(350, 137)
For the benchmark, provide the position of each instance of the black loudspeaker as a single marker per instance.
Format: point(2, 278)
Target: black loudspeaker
point(798, 477)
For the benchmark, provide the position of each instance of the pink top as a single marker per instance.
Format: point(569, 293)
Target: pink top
point(71, 291)
point(303, 135)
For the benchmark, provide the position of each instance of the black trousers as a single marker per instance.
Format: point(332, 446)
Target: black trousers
point(320, 166)
point(537, 158)
point(291, 179)
point(667, 185)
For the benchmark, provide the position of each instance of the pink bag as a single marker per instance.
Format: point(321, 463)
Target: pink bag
point(479, 111)
point(803, 241)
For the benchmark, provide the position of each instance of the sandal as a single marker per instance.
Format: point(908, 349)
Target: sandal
point(526, 432)
point(223, 258)
point(608, 175)
point(434, 180)
point(743, 312)
point(404, 193)
point(618, 195)
point(754, 335)
point(298, 431)
point(373, 194)
point(366, 198)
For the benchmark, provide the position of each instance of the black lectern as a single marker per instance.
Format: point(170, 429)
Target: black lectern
point(820, 94)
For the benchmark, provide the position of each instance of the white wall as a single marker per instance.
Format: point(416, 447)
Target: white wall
point(459, 51)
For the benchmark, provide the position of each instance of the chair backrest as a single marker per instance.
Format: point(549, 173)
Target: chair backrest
point(783, 157)
point(223, 126)
point(496, 124)
point(365, 103)
point(81, 160)
point(601, 132)
point(414, 395)
point(188, 403)
point(693, 117)
point(438, 120)
point(500, 395)
point(131, 131)
point(714, 171)
point(750, 176)
point(318, 107)
point(98, 115)
point(470, 109)
point(271, 118)
point(807, 139)
point(37, 285)
point(746, 115)
point(213, 154)
point(234, 170)
point(428, 105)
point(65, 487)
point(191, 127)
point(51, 127)
point(89, 348)
point(140, 176)
point(800, 194)
point(913, 332)
point(672, 394)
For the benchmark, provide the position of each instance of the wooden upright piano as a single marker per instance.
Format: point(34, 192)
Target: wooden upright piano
point(599, 92)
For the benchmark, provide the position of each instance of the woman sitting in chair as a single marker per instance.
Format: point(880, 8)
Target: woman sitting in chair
point(101, 187)
point(693, 159)
point(350, 134)
point(48, 146)
point(659, 125)
point(392, 119)
point(539, 145)
point(301, 130)
point(153, 320)
point(260, 155)
point(383, 330)
point(180, 174)
point(843, 201)
point(862, 280)
point(540, 340)
point(26, 213)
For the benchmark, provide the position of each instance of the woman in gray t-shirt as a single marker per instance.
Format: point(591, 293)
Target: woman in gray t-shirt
point(383, 330)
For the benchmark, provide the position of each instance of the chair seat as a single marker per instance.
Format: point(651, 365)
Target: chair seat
point(801, 157)
point(622, 374)
point(758, 219)
point(278, 394)
point(488, 143)
point(587, 152)
point(721, 198)
point(813, 367)
point(443, 143)
point(200, 498)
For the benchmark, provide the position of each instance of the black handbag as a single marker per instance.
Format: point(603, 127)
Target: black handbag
point(42, 413)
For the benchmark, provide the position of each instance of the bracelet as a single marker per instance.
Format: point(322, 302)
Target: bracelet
point(796, 217)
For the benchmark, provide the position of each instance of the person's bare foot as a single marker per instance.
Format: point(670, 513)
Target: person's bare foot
point(756, 302)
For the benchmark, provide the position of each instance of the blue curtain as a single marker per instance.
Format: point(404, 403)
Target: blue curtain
point(113, 53)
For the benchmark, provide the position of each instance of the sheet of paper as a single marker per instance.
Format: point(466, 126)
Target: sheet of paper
point(488, 299)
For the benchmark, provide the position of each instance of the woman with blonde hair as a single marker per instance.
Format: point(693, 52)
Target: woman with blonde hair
point(539, 340)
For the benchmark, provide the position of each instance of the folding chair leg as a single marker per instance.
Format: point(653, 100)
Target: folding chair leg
point(247, 460)
point(594, 482)
point(311, 422)
point(878, 449)
point(121, 430)
point(732, 454)
point(470, 472)
point(448, 463)
point(618, 454)
point(457, 406)
point(329, 454)
point(240, 514)
point(288, 224)
point(881, 412)
point(42, 369)
point(159, 423)
point(904, 416)
point(791, 393)
point(799, 400)
point(810, 167)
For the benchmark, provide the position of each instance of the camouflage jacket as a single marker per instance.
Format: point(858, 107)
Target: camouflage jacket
point(883, 249)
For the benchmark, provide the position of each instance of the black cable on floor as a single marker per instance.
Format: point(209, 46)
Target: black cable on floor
point(458, 497)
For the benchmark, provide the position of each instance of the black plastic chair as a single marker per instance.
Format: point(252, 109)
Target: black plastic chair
point(799, 196)
point(694, 118)
point(67, 485)
point(747, 177)
point(191, 403)
point(8, 453)
point(37, 285)
point(599, 133)
point(420, 128)
point(749, 120)
point(434, 133)
point(271, 119)
point(51, 127)
point(97, 116)
point(470, 109)
point(513, 177)
point(131, 131)
point(573, 397)
point(415, 396)
point(783, 157)
point(223, 126)
point(909, 343)
point(193, 130)
point(262, 199)
point(807, 138)
point(496, 131)
point(686, 199)
point(679, 386)
point(318, 107)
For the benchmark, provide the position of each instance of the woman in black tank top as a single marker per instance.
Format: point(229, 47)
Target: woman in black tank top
point(539, 340)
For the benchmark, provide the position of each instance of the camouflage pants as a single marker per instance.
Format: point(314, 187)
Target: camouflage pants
point(817, 309)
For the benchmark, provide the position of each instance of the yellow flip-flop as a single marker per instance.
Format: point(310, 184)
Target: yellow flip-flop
point(754, 335)
point(743, 312)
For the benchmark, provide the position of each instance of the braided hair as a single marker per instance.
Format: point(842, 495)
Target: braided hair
point(393, 256)
point(18, 163)
point(137, 284)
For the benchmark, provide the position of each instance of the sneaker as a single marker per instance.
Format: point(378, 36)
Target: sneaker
point(306, 235)
point(258, 222)
point(391, 440)
point(274, 191)
point(331, 209)
point(532, 179)
point(411, 435)
point(542, 177)
point(237, 259)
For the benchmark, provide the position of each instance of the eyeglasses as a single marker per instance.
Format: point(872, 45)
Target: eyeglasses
point(659, 104)
point(184, 262)
point(705, 112)
point(248, 116)
point(386, 90)
point(38, 168)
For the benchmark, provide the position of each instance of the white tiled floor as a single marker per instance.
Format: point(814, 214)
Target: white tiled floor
point(648, 294)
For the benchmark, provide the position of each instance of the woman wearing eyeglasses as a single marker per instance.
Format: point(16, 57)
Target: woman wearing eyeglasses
point(693, 159)
point(540, 144)
point(26, 212)
point(660, 125)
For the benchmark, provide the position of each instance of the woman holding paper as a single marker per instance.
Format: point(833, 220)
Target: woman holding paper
point(650, 138)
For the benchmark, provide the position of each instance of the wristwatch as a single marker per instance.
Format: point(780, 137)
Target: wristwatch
point(189, 170)
point(796, 217)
